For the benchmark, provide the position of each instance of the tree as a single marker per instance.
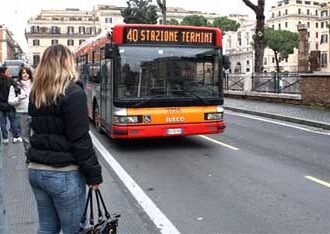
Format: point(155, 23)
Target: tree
point(172, 22)
point(162, 6)
point(194, 20)
point(140, 12)
point(282, 42)
point(259, 32)
point(225, 24)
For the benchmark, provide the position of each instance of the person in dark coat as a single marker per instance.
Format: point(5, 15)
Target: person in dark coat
point(61, 155)
point(7, 111)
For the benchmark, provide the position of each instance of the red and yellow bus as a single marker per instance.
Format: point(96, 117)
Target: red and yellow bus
point(154, 80)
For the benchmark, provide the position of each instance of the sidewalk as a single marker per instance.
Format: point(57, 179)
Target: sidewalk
point(20, 215)
point(293, 113)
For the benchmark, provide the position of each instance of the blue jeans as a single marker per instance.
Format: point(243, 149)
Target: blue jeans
point(11, 115)
point(60, 199)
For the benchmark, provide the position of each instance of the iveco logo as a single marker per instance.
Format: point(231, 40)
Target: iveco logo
point(175, 119)
point(147, 118)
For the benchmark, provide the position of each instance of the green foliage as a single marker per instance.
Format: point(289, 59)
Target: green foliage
point(281, 41)
point(226, 24)
point(194, 20)
point(140, 12)
point(172, 22)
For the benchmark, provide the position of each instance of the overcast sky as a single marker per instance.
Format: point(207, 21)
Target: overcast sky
point(15, 13)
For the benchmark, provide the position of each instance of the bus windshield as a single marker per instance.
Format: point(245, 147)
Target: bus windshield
point(167, 73)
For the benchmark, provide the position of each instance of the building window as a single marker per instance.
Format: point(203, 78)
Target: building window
point(34, 29)
point(316, 35)
point(308, 34)
point(286, 12)
point(108, 20)
point(279, 26)
point(316, 12)
point(81, 41)
point(324, 38)
point(239, 38)
point(279, 13)
point(273, 26)
point(316, 46)
point(273, 15)
point(316, 25)
point(55, 30)
point(324, 13)
point(36, 60)
point(273, 60)
point(70, 30)
point(36, 42)
point(286, 24)
point(81, 30)
point(307, 12)
point(54, 42)
point(322, 24)
point(299, 11)
point(70, 42)
point(308, 24)
point(324, 59)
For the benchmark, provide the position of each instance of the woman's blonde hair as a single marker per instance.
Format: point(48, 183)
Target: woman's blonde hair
point(53, 75)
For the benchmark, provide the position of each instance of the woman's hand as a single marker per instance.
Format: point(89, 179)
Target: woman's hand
point(94, 186)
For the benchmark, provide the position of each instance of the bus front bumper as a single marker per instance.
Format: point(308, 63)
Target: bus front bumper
point(149, 131)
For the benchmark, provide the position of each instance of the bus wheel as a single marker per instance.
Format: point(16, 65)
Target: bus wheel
point(97, 119)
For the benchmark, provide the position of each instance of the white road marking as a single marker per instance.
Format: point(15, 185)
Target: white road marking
point(219, 142)
point(155, 214)
point(318, 181)
point(276, 122)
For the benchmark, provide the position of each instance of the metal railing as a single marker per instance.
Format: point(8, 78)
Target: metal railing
point(288, 83)
point(234, 81)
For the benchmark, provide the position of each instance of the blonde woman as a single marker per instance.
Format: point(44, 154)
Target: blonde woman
point(62, 158)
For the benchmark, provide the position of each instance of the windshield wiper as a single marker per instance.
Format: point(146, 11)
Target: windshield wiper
point(153, 98)
point(191, 93)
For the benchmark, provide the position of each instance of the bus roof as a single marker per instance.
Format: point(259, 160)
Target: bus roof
point(154, 34)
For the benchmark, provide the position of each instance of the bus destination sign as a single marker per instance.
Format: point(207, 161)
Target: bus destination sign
point(180, 36)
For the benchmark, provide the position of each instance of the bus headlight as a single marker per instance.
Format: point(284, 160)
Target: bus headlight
point(126, 119)
point(214, 116)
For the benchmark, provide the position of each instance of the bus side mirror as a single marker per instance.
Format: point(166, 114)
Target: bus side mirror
point(109, 52)
point(226, 62)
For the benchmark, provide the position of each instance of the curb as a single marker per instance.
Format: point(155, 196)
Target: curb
point(282, 117)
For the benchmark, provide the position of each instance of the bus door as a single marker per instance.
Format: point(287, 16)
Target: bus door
point(106, 91)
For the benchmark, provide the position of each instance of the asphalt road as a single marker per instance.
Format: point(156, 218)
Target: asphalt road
point(268, 185)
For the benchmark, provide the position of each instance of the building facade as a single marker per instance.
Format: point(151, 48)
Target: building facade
point(238, 45)
point(69, 27)
point(287, 15)
point(9, 48)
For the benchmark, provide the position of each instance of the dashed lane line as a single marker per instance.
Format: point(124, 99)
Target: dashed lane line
point(219, 142)
point(155, 214)
point(326, 184)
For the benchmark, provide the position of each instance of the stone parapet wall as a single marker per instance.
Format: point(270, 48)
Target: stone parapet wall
point(315, 89)
point(267, 97)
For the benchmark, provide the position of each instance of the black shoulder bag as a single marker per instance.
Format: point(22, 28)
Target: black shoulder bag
point(104, 225)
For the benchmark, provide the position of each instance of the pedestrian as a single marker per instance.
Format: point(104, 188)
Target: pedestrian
point(6, 110)
point(19, 98)
point(61, 155)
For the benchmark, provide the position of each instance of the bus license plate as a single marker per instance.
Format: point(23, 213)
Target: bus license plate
point(174, 131)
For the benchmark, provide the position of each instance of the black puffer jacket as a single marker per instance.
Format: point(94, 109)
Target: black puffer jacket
point(5, 84)
point(61, 135)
